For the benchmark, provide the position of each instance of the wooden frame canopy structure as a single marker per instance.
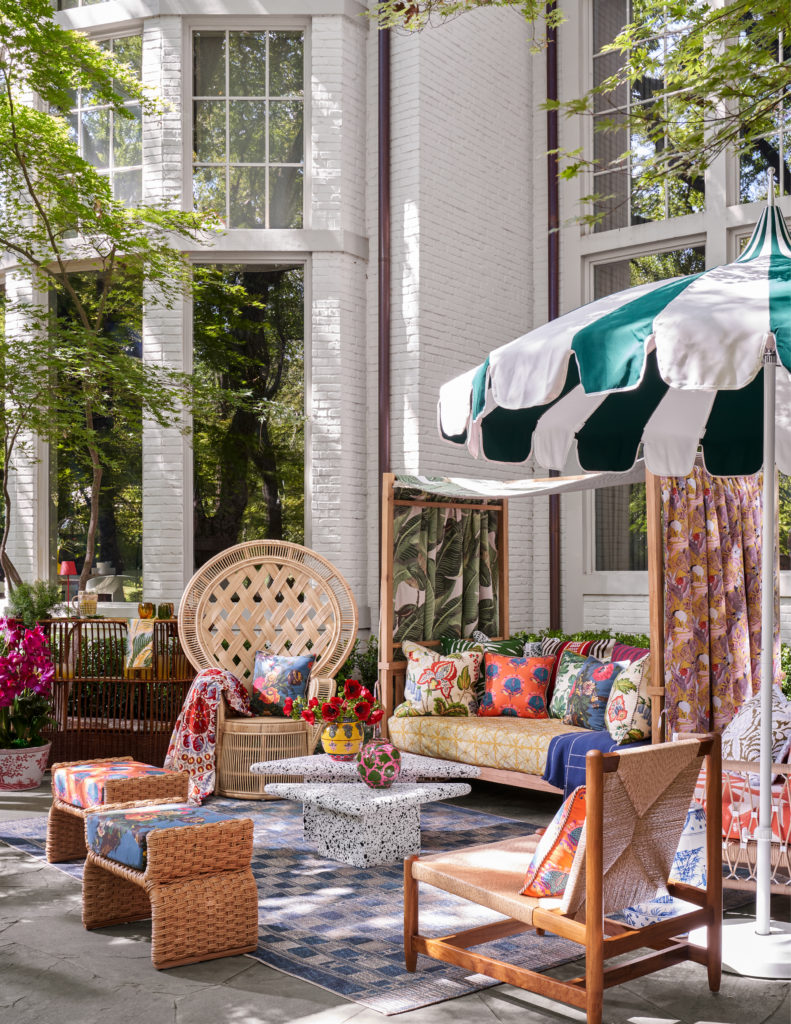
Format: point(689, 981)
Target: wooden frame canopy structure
point(494, 495)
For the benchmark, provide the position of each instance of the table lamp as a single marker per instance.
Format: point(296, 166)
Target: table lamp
point(67, 569)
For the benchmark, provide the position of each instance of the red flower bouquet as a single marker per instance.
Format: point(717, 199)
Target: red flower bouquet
point(353, 703)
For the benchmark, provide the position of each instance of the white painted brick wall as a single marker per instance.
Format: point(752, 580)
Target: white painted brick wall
point(625, 613)
point(166, 518)
point(28, 543)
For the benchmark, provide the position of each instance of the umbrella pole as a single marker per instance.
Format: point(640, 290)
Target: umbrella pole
point(764, 831)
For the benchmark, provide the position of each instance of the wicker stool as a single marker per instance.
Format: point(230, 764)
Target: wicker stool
point(193, 879)
point(79, 786)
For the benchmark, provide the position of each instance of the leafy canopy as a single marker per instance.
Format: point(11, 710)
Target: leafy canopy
point(720, 84)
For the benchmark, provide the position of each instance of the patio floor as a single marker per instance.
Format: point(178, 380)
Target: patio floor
point(54, 972)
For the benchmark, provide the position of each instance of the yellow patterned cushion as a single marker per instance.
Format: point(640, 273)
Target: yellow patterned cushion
point(513, 744)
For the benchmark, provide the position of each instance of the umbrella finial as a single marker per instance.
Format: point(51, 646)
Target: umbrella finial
point(770, 185)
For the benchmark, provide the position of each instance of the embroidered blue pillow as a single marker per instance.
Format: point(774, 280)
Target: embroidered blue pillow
point(587, 699)
point(276, 677)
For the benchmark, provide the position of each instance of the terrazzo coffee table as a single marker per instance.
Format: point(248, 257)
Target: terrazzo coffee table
point(352, 823)
point(322, 768)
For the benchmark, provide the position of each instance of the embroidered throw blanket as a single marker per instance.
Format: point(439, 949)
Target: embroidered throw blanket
point(192, 745)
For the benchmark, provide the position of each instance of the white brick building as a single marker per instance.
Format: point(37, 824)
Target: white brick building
point(468, 258)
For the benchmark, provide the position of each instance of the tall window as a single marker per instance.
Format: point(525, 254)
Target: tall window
point(111, 142)
point(249, 446)
point(248, 118)
point(620, 514)
point(620, 155)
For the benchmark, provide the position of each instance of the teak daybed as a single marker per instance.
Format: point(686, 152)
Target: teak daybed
point(511, 751)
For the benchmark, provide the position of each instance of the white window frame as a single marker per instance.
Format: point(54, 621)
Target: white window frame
point(251, 24)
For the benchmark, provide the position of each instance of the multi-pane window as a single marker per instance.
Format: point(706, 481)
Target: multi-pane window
point(111, 142)
point(620, 514)
point(248, 119)
point(68, 5)
point(620, 154)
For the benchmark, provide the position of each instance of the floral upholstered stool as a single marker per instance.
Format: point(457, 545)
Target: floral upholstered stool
point(185, 867)
point(79, 786)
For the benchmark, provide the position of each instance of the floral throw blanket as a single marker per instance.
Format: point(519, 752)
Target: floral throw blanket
point(194, 740)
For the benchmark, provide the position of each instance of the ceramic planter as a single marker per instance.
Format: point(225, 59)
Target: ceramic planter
point(23, 767)
point(342, 740)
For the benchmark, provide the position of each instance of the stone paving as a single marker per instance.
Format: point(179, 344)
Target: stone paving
point(54, 972)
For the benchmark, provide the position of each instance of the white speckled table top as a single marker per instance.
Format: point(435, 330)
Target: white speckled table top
point(321, 768)
point(351, 798)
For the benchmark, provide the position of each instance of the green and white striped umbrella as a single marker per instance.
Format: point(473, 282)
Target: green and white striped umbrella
point(672, 364)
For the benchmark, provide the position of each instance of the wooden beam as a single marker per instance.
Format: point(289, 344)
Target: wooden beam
point(656, 598)
point(386, 599)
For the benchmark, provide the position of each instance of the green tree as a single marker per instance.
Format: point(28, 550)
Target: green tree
point(68, 372)
point(719, 85)
point(249, 437)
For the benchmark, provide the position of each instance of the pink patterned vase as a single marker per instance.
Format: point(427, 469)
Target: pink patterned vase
point(379, 764)
point(23, 767)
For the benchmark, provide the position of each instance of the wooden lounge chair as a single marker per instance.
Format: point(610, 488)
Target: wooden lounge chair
point(637, 803)
point(270, 596)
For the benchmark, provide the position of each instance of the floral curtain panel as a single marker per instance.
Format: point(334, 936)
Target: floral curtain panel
point(712, 530)
point(445, 572)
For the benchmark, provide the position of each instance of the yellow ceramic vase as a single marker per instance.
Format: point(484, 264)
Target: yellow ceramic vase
point(342, 740)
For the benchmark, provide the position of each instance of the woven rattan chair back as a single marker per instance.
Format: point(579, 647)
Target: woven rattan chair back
point(267, 595)
point(645, 803)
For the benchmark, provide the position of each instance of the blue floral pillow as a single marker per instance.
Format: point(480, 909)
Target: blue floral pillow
point(587, 699)
point(277, 677)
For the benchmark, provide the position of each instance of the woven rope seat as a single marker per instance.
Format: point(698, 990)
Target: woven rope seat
point(271, 596)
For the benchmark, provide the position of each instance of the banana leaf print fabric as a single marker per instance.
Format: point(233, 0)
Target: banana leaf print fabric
point(713, 544)
point(515, 687)
point(445, 572)
point(194, 739)
point(140, 652)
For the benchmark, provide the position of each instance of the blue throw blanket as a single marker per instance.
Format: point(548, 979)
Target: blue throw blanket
point(565, 766)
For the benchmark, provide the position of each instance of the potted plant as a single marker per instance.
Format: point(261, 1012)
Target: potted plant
point(26, 672)
point(343, 716)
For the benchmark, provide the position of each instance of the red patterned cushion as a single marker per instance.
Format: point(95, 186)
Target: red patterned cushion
point(515, 686)
point(623, 652)
point(548, 872)
point(82, 785)
point(740, 805)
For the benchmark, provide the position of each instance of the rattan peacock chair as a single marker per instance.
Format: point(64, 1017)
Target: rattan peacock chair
point(270, 596)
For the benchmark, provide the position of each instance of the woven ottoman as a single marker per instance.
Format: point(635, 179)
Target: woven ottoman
point(79, 786)
point(185, 867)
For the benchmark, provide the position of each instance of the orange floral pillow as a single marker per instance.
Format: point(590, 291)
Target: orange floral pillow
point(549, 869)
point(516, 687)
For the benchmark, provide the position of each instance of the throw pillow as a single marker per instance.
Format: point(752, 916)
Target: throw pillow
point(623, 652)
point(628, 711)
point(558, 645)
point(458, 645)
point(741, 738)
point(587, 700)
point(532, 649)
point(438, 684)
point(515, 687)
point(508, 645)
point(570, 667)
point(549, 869)
point(277, 677)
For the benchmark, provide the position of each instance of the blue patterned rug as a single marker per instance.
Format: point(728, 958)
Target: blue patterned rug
point(340, 927)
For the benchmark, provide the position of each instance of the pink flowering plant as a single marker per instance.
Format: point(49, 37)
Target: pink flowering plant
point(26, 672)
point(353, 703)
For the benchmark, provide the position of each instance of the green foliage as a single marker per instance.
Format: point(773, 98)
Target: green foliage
point(32, 602)
point(632, 639)
point(362, 664)
point(27, 719)
point(71, 370)
point(719, 86)
point(785, 668)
